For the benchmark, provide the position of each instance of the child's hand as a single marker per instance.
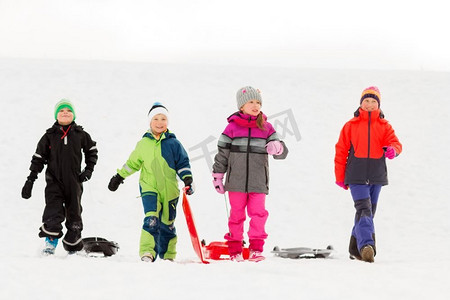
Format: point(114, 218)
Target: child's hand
point(28, 186)
point(114, 183)
point(188, 185)
point(389, 152)
point(342, 185)
point(218, 182)
point(26, 190)
point(85, 175)
point(274, 148)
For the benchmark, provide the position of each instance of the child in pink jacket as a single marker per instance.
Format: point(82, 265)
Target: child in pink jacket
point(242, 155)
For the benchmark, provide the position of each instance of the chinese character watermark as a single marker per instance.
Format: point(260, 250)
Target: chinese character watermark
point(283, 122)
point(207, 154)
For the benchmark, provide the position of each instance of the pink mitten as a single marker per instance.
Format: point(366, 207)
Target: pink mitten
point(218, 182)
point(342, 185)
point(390, 152)
point(274, 148)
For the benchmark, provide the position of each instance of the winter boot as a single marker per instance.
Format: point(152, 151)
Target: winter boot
point(367, 254)
point(353, 249)
point(50, 246)
point(256, 256)
point(147, 257)
point(237, 257)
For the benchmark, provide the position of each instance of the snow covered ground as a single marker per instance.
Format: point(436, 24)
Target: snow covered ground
point(306, 208)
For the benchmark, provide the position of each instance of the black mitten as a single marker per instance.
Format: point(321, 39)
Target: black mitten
point(114, 183)
point(189, 185)
point(28, 186)
point(85, 175)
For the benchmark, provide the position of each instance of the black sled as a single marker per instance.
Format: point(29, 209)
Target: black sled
point(99, 247)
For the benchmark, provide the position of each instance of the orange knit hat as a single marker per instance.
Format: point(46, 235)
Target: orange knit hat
point(371, 92)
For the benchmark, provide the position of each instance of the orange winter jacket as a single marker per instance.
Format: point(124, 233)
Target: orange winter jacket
point(359, 152)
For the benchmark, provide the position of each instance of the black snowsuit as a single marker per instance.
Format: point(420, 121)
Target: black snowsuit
point(60, 149)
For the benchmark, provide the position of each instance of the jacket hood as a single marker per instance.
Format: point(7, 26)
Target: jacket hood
point(167, 134)
point(365, 114)
point(56, 127)
point(245, 120)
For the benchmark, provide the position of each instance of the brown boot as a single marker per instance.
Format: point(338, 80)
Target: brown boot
point(367, 254)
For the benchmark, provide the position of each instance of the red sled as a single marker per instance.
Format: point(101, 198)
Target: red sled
point(219, 251)
point(215, 250)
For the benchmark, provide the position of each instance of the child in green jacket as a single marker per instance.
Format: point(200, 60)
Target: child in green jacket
point(160, 157)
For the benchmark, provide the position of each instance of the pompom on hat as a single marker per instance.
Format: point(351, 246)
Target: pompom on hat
point(156, 109)
point(246, 94)
point(371, 92)
point(64, 103)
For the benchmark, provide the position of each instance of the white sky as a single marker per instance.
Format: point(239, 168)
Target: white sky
point(382, 34)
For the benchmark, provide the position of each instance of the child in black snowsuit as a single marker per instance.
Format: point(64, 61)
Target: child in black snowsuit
point(60, 149)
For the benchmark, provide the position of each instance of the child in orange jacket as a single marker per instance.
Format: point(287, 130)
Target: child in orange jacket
point(364, 143)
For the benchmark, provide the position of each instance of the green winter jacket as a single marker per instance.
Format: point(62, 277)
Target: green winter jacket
point(160, 161)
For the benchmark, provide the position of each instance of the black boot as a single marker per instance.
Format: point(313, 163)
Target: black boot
point(353, 249)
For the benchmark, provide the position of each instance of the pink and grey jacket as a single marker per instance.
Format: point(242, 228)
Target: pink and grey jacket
point(242, 154)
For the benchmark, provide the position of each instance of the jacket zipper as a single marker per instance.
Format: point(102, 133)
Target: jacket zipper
point(368, 148)
point(64, 136)
point(248, 157)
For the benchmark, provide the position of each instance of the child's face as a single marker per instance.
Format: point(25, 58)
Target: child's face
point(64, 116)
point(369, 104)
point(252, 108)
point(158, 124)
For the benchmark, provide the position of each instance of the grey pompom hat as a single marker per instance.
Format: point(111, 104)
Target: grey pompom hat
point(246, 94)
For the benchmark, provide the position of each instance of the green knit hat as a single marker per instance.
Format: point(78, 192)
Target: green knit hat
point(64, 103)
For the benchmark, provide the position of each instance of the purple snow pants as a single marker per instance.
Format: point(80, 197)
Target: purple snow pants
point(365, 198)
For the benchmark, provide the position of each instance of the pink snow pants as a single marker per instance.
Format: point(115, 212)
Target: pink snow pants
point(255, 203)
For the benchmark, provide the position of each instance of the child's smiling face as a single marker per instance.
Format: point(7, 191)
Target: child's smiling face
point(64, 116)
point(369, 104)
point(158, 124)
point(252, 108)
